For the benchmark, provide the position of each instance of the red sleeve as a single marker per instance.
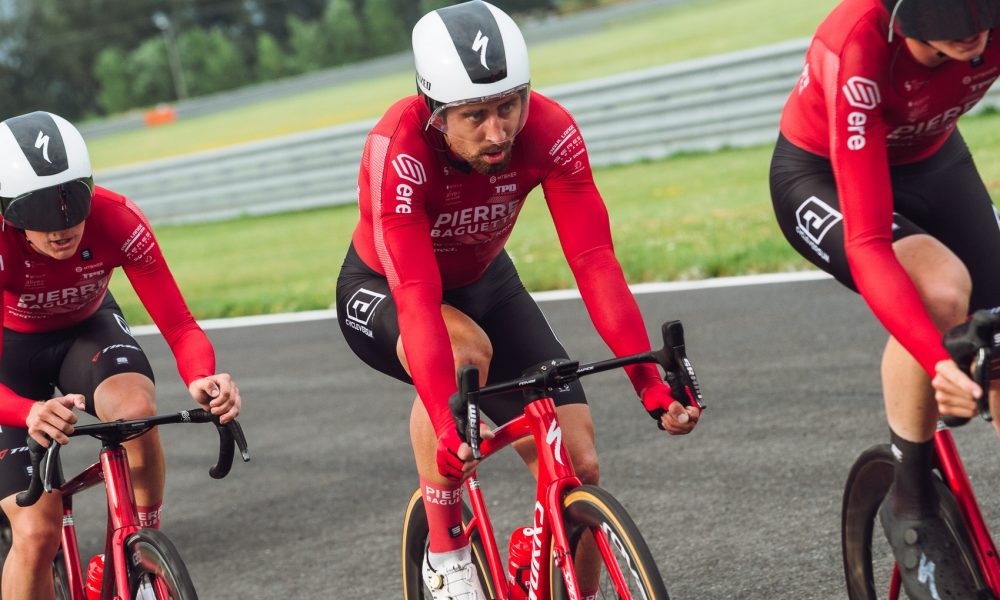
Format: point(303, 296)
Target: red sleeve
point(403, 243)
point(853, 86)
point(14, 408)
point(581, 220)
point(158, 292)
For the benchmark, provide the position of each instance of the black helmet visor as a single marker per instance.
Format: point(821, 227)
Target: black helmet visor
point(947, 19)
point(50, 209)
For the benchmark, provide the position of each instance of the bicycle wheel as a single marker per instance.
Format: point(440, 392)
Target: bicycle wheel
point(60, 578)
point(868, 562)
point(155, 568)
point(628, 570)
point(415, 544)
point(6, 537)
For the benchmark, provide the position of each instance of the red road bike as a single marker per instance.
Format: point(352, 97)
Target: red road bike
point(141, 563)
point(868, 565)
point(564, 509)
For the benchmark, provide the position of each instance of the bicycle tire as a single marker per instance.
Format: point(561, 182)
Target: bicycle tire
point(866, 487)
point(60, 578)
point(590, 508)
point(6, 538)
point(153, 561)
point(415, 544)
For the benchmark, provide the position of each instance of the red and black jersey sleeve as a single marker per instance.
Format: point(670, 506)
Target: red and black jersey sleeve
point(156, 288)
point(854, 84)
point(581, 221)
point(14, 408)
point(393, 185)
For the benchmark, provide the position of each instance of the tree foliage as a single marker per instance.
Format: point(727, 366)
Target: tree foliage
point(85, 58)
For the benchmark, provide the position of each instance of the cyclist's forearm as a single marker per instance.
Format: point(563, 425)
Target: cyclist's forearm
point(613, 310)
point(14, 409)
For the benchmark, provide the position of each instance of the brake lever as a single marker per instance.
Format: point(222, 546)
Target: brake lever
point(37, 453)
point(971, 344)
point(468, 408)
point(680, 375)
point(981, 375)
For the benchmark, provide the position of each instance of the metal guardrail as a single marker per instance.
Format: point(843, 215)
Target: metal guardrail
point(731, 100)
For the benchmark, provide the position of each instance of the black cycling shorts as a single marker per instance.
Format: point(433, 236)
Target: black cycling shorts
point(497, 302)
point(76, 360)
point(942, 196)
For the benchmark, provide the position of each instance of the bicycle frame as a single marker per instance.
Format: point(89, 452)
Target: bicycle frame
point(113, 470)
point(961, 487)
point(123, 520)
point(555, 477)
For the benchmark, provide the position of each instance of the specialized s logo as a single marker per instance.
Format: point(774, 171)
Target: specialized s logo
point(409, 169)
point(43, 143)
point(479, 45)
point(360, 309)
point(554, 439)
point(862, 93)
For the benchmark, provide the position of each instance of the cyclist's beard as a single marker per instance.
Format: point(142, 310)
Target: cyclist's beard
point(481, 165)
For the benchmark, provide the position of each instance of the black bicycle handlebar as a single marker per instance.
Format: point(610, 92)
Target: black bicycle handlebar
point(116, 432)
point(545, 378)
point(971, 347)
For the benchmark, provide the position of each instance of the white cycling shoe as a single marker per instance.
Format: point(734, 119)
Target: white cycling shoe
point(455, 580)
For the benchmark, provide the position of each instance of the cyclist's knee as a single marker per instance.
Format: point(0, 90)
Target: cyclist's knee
point(125, 396)
point(587, 468)
point(139, 406)
point(477, 353)
point(940, 276)
point(37, 538)
point(948, 305)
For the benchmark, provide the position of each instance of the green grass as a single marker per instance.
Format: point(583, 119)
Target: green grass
point(699, 28)
point(686, 217)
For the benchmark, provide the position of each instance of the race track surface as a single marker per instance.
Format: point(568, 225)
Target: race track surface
point(748, 506)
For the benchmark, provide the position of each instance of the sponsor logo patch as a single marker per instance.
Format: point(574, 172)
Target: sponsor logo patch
point(409, 168)
point(862, 93)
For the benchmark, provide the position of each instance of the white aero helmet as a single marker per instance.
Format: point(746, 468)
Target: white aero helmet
point(46, 182)
point(469, 53)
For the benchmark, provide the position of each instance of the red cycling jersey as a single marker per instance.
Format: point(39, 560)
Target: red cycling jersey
point(41, 293)
point(429, 222)
point(866, 104)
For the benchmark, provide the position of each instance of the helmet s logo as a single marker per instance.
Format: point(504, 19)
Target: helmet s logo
point(43, 142)
point(409, 169)
point(862, 93)
point(479, 45)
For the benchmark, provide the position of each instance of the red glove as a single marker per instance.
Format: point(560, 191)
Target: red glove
point(656, 399)
point(448, 462)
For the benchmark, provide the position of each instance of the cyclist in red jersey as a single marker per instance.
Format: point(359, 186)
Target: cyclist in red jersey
point(872, 182)
point(61, 239)
point(426, 284)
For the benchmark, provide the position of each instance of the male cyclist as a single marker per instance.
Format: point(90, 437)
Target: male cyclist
point(426, 285)
point(872, 182)
point(61, 239)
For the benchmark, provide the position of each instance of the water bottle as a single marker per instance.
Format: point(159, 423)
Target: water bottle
point(95, 573)
point(519, 562)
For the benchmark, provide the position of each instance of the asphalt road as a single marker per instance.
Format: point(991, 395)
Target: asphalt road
point(748, 506)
